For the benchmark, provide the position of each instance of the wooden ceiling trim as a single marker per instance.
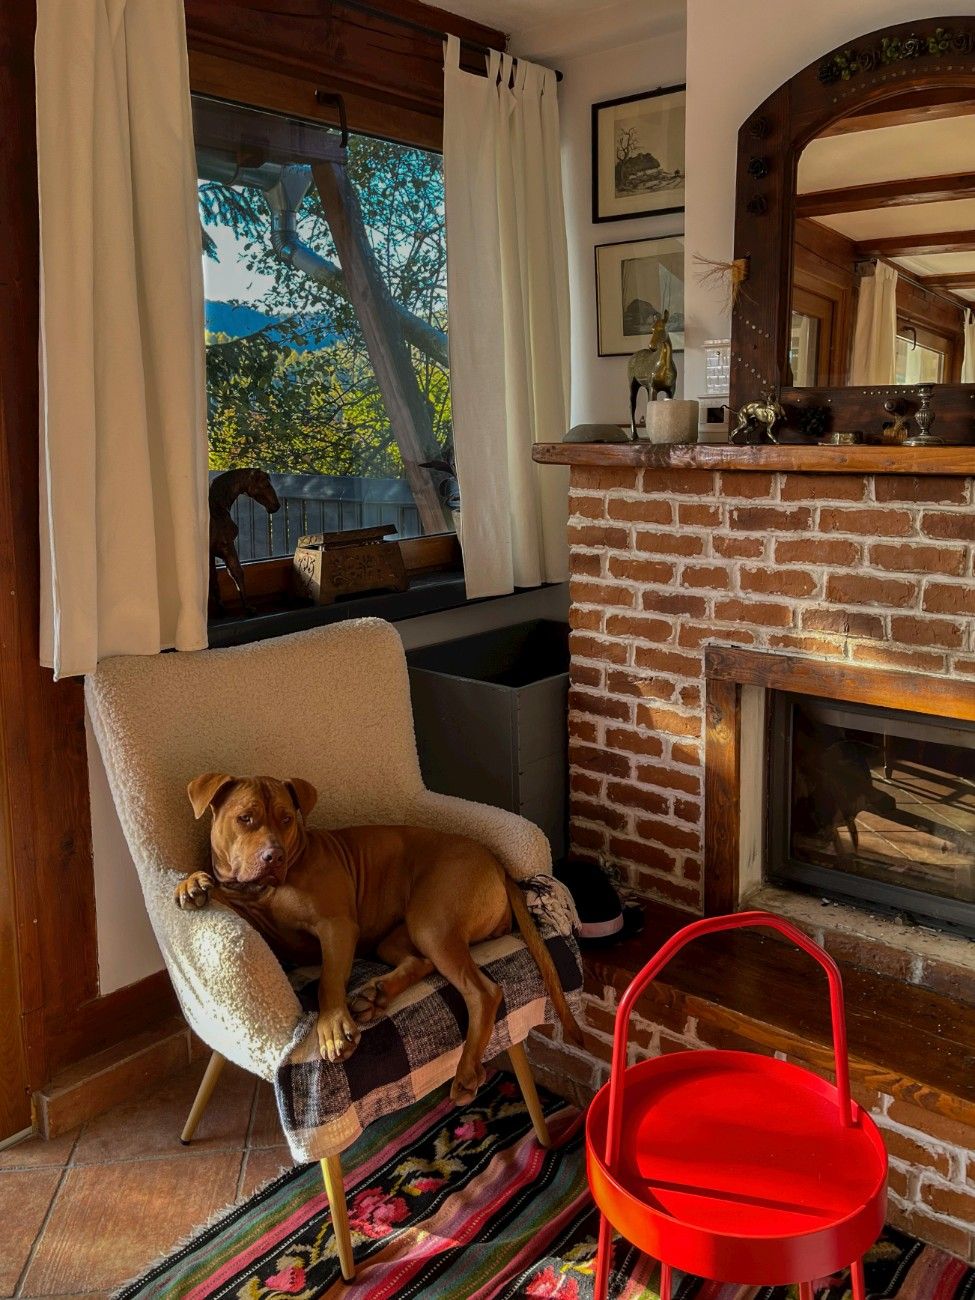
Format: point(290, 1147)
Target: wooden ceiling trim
point(946, 241)
point(886, 194)
point(956, 280)
point(903, 110)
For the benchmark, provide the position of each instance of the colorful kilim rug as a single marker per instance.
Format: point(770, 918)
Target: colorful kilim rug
point(465, 1205)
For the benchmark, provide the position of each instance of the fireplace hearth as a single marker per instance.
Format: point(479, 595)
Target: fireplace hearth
point(873, 806)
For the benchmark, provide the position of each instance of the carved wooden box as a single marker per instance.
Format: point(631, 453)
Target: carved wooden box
point(329, 565)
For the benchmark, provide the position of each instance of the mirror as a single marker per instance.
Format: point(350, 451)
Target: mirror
point(883, 277)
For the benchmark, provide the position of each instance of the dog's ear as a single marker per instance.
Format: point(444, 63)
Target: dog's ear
point(303, 793)
point(204, 789)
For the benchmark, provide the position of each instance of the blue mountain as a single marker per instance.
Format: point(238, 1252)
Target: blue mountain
point(237, 321)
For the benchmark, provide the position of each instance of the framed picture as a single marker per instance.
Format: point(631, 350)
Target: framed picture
point(637, 281)
point(638, 155)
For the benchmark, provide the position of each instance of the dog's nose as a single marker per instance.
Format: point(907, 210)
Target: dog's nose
point(273, 855)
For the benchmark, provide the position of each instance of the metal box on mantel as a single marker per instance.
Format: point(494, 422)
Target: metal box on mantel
point(491, 721)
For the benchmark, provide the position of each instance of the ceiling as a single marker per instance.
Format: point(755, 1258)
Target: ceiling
point(930, 147)
point(552, 29)
point(510, 15)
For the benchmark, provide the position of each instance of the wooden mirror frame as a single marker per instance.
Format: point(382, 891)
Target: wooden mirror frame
point(932, 53)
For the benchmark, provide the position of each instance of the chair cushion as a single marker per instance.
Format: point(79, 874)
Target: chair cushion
point(416, 1045)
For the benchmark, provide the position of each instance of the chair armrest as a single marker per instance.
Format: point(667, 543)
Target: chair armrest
point(520, 846)
point(231, 987)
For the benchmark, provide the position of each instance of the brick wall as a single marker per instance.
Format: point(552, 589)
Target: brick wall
point(877, 571)
point(874, 570)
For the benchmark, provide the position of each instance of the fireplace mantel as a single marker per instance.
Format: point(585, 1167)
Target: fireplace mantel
point(916, 461)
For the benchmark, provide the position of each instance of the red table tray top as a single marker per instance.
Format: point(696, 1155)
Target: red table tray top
point(737, 1167)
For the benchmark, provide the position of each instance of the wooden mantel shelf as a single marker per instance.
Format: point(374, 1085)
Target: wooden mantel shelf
point(805, 460)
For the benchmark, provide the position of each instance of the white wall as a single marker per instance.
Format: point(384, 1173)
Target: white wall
point(737, 54)
point(600, 391)
point(127, 948)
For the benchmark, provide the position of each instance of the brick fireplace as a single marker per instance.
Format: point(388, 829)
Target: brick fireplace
point(866, 572)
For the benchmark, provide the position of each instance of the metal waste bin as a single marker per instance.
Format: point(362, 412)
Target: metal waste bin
point(490, 717)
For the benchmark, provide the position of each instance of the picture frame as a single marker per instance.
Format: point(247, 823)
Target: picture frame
point(637, 280)
point(638, 155)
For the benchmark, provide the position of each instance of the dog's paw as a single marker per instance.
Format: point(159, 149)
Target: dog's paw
point(466, 1082)
point(338, 1035)
point(194, 891)
point(369, 1003)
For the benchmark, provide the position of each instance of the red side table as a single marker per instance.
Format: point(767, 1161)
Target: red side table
point(735, 1167)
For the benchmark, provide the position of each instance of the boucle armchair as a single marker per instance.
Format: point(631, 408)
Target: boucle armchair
point(332, 706)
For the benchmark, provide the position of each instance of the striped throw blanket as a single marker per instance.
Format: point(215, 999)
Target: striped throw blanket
point(415, 1047)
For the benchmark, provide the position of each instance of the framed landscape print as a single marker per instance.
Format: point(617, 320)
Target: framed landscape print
point(637, 281)
point(638, 155)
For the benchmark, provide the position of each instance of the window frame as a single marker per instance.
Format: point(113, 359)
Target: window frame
point(278, 93)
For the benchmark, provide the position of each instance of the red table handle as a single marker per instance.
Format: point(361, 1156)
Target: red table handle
point(710, 925)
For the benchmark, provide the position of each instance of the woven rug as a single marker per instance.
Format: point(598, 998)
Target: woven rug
point(465, 1205)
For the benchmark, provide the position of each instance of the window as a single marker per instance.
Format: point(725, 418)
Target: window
point(920, 356)
point(804, 350)
point(326, 368)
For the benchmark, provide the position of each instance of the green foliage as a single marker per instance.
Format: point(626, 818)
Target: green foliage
point(277, 400)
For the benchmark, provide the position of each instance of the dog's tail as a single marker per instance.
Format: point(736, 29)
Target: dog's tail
point(543, 959)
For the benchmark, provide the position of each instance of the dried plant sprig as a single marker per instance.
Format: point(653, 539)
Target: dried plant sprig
point(728, 276)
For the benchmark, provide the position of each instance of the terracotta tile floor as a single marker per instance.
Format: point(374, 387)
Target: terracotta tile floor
point(86, 1211)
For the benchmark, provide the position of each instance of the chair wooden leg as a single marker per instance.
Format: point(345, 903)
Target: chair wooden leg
point(526, 1082)
point(604, 1259)
point(665, 1281)
point(857, 1278)
point(203, 1094)
point(805, 1291)
point(335, 1191)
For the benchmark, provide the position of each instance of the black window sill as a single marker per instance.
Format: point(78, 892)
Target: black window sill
point(428, 594)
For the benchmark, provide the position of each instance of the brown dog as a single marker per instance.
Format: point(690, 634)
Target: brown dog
point(416, 899)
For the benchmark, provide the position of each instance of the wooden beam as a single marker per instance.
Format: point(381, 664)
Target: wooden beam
point(934, 106)
point(945, 241)
point(389, 50)
point(722, 795)
point(886, 194)
point(786, 458)
point(951, 280)
point(889, 688)
point(390, 357)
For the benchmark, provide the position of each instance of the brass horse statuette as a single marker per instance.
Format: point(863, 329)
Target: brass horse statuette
point(652, 368)
point(224, 491)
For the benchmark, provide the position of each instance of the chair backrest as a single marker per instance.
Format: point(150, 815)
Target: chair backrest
point(330, 705)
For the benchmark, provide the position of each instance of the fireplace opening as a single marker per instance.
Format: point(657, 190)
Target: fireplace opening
point(873, 806)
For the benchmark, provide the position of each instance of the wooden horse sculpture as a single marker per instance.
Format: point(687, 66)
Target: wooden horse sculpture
point(652, 368)
point(224, 491)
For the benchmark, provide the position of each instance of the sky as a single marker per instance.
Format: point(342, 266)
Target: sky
point(229, 277)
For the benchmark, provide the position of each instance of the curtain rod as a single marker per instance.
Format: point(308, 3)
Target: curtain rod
point(364, 7)
point(918, 283)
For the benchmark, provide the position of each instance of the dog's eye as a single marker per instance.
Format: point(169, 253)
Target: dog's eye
point(245, 819)
point(286, 820)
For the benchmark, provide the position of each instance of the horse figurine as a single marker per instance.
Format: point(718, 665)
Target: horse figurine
point(756, 421)
point(652, 368)
point(224, 491)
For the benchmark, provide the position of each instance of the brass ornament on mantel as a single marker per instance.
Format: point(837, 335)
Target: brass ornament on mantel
point(757, 421)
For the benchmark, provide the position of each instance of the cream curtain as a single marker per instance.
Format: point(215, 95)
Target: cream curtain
point(875, 333)
point(508, 293)
point(123, 463)
point(968, 357)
